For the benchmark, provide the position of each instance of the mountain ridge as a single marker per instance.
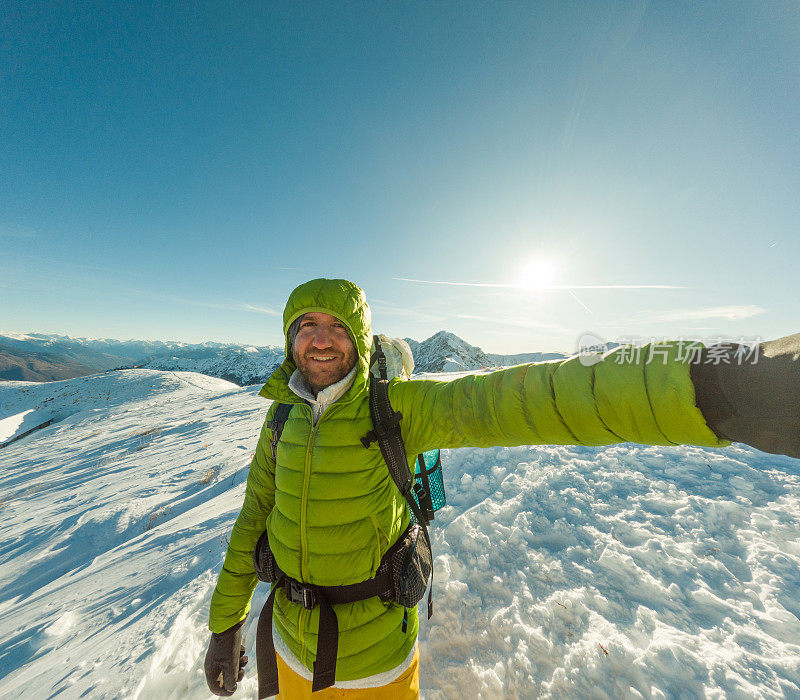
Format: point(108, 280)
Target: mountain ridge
point(38, 366)
point(241, 364)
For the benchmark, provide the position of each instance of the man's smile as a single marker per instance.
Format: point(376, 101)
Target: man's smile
point(323, 358)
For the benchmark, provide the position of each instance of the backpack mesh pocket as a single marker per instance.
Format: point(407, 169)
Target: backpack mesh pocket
point(409, 562)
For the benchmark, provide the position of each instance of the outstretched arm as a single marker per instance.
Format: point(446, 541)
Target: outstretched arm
point(630, 394)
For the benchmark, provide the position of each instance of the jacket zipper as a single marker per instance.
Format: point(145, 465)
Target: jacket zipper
point(301, 620)
point(303, 522)
point(304, 499)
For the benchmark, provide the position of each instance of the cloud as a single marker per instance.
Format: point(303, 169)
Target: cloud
point(491, 285)
point(387, 308)
point(221, 305)
point(732, 313)
point(260, 309)
point(511, 321)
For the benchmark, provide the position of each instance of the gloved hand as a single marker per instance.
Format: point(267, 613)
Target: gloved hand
point(225, 660)
point(752, 398)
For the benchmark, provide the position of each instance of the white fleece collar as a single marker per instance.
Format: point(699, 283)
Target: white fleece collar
point(329, 395)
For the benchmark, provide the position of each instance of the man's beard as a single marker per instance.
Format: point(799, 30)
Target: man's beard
point(318, 375)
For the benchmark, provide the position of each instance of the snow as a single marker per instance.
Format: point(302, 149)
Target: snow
point(245, 365)
point(561, 572)
point(16, 424)
point(446, 352)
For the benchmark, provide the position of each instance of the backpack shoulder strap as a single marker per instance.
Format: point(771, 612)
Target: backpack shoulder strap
point(390, 440)
point(386, 432)
point(279, 419)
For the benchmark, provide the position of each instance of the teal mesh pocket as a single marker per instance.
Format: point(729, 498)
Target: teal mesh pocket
point(431, 462)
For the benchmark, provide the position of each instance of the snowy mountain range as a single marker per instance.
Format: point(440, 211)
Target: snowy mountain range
point(241, 364)
point(561, 572)
point(100, 353)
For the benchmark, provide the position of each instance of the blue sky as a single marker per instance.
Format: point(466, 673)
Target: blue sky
point(173, 171)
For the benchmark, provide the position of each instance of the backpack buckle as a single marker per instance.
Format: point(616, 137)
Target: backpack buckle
point(274, 445)
point(301, 594)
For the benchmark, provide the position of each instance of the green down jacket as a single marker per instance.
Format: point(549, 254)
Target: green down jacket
point(331, 508)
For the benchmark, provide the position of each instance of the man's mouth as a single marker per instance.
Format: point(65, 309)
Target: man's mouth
point(322, 358)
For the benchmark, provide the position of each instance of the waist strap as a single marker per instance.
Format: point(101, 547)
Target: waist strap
point(309, 596)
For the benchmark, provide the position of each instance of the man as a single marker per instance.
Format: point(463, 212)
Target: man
point(331, 509)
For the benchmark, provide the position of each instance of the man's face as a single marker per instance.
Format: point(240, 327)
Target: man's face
point(323, 350)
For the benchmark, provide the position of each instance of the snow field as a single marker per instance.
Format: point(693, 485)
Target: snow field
point(114, 528)
point(562, 572)
point(624, 571)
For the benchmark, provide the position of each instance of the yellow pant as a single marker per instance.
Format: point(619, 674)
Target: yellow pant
point(294, 687)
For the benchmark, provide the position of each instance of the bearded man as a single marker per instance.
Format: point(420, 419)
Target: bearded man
point(331, 510)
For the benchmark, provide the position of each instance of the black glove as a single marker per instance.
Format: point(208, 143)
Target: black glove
point(225, 660)
point(752, 397)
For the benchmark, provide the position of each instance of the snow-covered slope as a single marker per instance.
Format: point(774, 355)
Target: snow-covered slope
point(561, 572)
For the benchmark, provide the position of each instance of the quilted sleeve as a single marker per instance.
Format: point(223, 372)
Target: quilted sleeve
point(230, 602)
point(629, 394)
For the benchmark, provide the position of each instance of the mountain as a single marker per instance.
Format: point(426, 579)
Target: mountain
point(38, 366)
point(561, 571)
point(446, 352)
point(90, 353)
point(442, 352)
point(242, 365)
point(99, 352)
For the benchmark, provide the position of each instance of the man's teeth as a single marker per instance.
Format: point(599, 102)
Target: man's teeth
point(323, 358)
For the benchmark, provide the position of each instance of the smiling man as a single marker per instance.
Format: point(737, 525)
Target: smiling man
point(331, 510)
point(322, 350)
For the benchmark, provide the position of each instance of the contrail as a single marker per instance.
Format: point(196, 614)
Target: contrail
point(575, 297)
point(546, 286)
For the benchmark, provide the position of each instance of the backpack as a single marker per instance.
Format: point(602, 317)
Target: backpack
point(405, 568)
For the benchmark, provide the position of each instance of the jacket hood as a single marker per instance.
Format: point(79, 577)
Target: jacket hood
point(340, 298)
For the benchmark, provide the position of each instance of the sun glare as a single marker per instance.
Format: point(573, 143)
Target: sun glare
point(538, 273)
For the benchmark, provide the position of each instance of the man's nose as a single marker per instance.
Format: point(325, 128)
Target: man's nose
point(322, 337)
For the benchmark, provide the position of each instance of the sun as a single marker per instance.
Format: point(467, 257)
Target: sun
point(537, 273)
